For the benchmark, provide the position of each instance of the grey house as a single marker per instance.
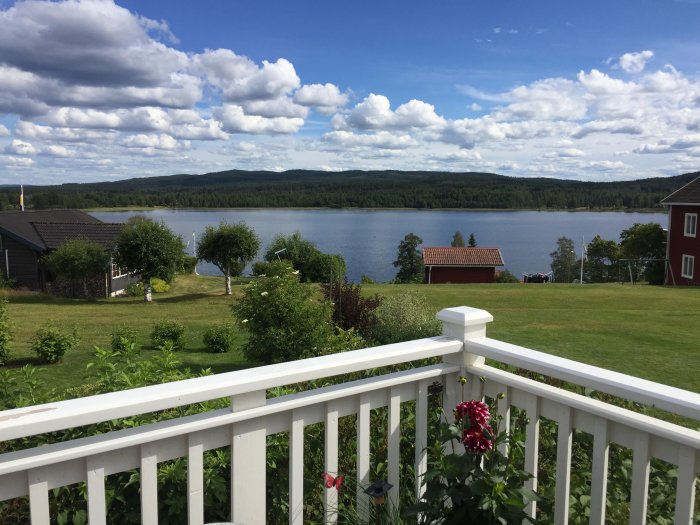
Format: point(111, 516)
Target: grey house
point(26, 236)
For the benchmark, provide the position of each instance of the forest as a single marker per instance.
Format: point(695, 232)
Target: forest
point(350, 189)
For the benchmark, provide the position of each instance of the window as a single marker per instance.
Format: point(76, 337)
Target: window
point(691, 224)
point(117, 272)
point(688, 266)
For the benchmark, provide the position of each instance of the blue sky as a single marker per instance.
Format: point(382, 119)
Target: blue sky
point(97, 90)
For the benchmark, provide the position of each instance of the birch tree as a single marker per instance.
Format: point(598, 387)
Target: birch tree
point(229, 247)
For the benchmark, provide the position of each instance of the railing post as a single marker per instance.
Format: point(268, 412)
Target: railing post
point(463, 323)
point(248, 462)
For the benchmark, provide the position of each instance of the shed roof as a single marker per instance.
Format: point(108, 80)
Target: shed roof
point(688, 194)
point(462, 256)
point(46, 229)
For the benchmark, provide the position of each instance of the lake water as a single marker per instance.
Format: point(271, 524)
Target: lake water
point(368, 239)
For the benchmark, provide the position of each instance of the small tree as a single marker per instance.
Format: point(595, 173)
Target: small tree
point(457, 240)
point(313, 265)
point(472, 240)
point(229, 247)
point(645, 242)
point(601, 265)
point(78, 260)
point(149, 249)
point(409, 260)
point(564, 262)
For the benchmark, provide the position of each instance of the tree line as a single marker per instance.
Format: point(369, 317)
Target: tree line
point(361, 189)
point(639, 255)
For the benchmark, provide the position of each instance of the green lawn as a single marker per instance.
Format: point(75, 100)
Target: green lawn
point(646, 331)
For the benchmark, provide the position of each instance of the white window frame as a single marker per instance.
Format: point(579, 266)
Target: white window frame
point(690, 227)
point(117, 271)
point(688, 266)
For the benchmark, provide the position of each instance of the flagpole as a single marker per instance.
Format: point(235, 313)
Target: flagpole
point(583, 256)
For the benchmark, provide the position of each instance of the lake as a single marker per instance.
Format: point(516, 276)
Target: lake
point(368, 239)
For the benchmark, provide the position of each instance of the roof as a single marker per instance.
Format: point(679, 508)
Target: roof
point(47, 229)
point(462, 256)
point(688, 194)
point(56, 233)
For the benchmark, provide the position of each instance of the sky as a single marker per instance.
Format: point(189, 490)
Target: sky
point(597, 90)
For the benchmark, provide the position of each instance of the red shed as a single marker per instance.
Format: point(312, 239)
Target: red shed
point(461, 264)
point(683, 246)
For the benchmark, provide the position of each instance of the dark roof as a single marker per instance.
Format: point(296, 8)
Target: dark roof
point(30, 227)
point(462, 256)
point(688, 194)
point(56, 233)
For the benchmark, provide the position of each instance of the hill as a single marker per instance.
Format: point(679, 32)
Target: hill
point(357, 189)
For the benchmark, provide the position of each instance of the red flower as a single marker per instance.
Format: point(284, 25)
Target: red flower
point(475, 441)
point(477, 411)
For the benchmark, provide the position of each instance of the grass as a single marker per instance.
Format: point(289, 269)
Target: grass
point(645, 331)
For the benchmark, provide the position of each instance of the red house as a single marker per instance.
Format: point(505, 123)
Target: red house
point(683, 246)
point(461, 264)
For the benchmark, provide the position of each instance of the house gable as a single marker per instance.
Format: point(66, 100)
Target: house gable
point(683, 246)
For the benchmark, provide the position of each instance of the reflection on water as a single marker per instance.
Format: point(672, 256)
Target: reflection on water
point(368, 238)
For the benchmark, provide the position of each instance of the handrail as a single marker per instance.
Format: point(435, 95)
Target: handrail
point(671, 399)
point(49, 417)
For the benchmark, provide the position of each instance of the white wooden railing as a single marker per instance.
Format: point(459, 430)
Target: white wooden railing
point(252, 416)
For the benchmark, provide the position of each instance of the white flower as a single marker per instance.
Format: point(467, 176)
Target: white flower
point(296, 272)
point(244, 321)
point(263, 293)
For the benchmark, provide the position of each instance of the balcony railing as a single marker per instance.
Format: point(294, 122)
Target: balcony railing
point(253, 416)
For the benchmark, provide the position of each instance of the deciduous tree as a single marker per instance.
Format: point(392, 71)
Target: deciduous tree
point(149, 249)
point(645, 242)
point(457, 240)
point(229, 247)
point(78, 260)
point(601, 264)
point(564, 261)
point(313, 265)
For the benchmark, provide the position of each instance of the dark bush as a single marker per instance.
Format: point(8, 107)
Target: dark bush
point(168, 331)
point(219, 338)
point(350, 308)
point(51, 343)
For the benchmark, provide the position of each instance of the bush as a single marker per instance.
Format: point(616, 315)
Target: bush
point(51, 343)
point(506, 277)
point(404, 317)
point(122, 337)
point(219, 338)
point(5, 333)
point(6, 283)
point(159, 285)
point(350, 308)
point(284, 319)
point(188, 263)
point(168, 331)
point(134, 290)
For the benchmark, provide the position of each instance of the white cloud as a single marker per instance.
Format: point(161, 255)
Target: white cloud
point(18, 147)
point(550, 99)
point(53, 150)
point(4, 132)
point(635, 62)
point(381, 139)
point(564, 153)
point(153, 142)
point(326, 98)
point(240, 79)
point(16, 162)
point(235, 120)
point(374, 112)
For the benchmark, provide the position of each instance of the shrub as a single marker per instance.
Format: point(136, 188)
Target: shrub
point(219, 338)
point(6, 283)
point(404, 317)
point(261, 268)
point(366, 279)
point(134, 290)
point(285, 321)
point(5, 333)
point(350, 308)
point(168, 331)
point(159, 285)
point(51, 343)
point(506, 277)
point(122, 337)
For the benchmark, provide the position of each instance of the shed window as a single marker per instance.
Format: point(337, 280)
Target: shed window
point(691, 224)
point(688, 266)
